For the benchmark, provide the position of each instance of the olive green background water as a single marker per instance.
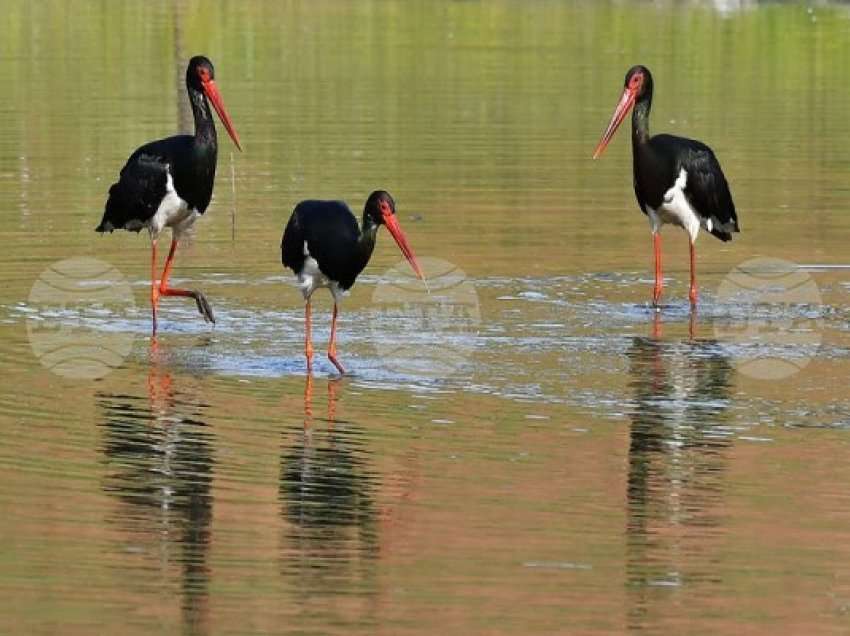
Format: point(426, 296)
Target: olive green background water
point(561, 459)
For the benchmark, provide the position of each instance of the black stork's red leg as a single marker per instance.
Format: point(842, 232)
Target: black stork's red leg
point(325, 247)
point(308, 335)
point(160, 287)
point(154, 286)
point(332, 344)
point(164, 290)
point(676, 180)
point(659, 273)
point(169, 182)
point(692, 292)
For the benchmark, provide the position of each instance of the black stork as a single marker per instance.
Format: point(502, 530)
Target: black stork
point(324, 246)
point(676, 180)
point(169, 182)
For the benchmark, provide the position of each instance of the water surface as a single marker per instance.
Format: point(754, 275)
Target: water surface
point(530, 449)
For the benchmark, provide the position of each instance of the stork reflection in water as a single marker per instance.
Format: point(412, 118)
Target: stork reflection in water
point(158, 456)
point(327, 496)
point(678, 446)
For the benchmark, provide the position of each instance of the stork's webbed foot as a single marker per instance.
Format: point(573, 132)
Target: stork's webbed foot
point(204, 307)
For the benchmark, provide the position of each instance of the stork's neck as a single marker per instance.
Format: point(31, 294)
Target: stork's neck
point(204, 125)
point(366, 241)
point(640, 121)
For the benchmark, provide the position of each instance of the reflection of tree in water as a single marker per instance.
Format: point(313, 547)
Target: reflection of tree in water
point(681, 392)
point(327, 501)
point(159, 466)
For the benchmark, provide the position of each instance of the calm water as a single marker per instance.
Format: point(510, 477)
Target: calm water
point(529, 448)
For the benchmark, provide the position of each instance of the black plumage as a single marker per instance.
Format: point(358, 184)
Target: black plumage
point(676, 180)
point(136, 196)
point(189, 160)
point(325, 247)
point(707, 190)
point(332, 237)
point(169, 182)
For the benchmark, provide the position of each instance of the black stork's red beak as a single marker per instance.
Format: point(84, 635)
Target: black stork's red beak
point(211, 91)
point(623, 107)
point(395, 229)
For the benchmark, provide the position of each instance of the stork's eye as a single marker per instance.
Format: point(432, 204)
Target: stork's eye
point(204, 74)
point(636, 81)
point(385, 208)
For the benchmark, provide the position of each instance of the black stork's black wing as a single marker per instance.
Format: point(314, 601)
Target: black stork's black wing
point(142, 184)
point(706, 188)
point(135, 197)
point(330, 232)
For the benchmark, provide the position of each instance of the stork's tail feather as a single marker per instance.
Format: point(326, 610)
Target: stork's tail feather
point(110, 226)
point(724, 231)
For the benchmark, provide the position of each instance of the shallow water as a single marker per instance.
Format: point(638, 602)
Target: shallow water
point(528, 448)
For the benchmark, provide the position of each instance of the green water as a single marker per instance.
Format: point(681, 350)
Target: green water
point(546, 455)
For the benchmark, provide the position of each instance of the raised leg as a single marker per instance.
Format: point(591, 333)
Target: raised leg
point(154, 287)
point(308, 336)
point(169, 262)
point(332, 345)
point(659, 274)
point(164, 290)
point(692, 294)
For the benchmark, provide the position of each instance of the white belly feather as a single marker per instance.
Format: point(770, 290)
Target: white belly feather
point(676, 210)
point(172, 212)
point(311, 278)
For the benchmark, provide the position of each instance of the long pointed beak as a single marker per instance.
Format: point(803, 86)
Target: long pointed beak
point(214, 96)
point(395, 229)
point(623, 107)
